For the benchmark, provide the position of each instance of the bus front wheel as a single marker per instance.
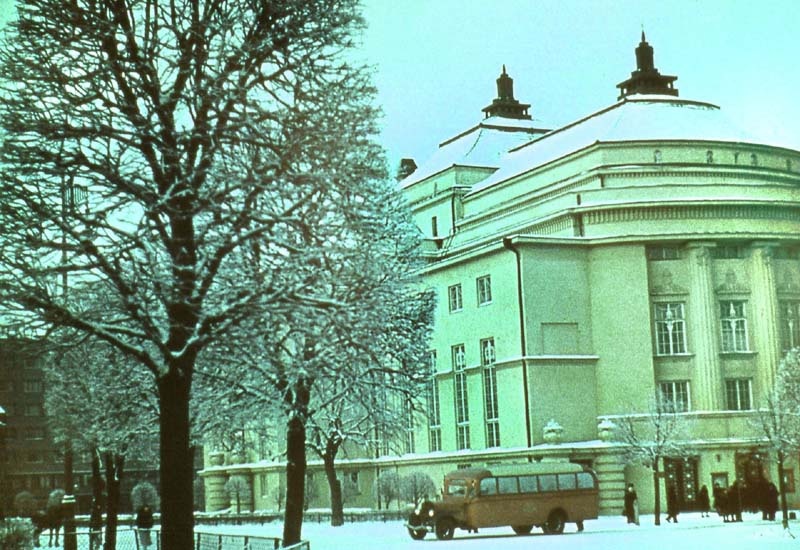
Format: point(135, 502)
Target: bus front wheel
point(522, 529)
point(555, 523)
point(445, 528)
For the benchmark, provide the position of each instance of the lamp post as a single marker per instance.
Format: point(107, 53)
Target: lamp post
point(3, 492)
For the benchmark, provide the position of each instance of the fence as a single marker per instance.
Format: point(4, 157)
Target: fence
point(127, 540)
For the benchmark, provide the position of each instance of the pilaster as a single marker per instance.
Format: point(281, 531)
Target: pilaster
point(703, 328)
point(764, 329)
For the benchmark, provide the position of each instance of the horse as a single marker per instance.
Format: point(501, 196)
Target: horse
point(51, 519)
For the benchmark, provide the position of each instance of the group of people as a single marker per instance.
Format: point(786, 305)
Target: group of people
point(727, 502)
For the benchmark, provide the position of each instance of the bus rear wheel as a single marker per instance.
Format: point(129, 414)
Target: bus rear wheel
point(555, 523)
point(445, 528)
point(522, 529)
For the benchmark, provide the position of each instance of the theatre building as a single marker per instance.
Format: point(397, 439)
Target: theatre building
point(649, 249)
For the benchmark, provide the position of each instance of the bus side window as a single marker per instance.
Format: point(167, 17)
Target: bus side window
point(527, 484)
point(489, 486)
point(566, 482)
point(547, 482)
point(507, 485)
point(585, 480)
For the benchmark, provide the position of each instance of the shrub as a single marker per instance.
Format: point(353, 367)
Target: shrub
point(16, 534)
point(144, 493)
point(25, 504)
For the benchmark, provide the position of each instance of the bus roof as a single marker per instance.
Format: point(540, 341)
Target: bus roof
point(517, 470)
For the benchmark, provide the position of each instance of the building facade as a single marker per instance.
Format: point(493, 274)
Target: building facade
point(648, 250)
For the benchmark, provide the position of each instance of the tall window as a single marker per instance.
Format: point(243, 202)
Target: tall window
point(709, 157)
point(434, 415)
point(670, 327)
point(461, 397)
point(454, 292)
point(410, 424)
point(490, 393)
point(790, 324)
point(657, 156)
point(660, 253)
point(734, 326)
point(738, 392)
point(676, 394)
point(484, 289)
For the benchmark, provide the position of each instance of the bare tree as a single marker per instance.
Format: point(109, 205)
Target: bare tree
point(238, 489)
point(416, 487)
point(649, 438)
point(387, 487)
point(141, 141)
point(779, 420)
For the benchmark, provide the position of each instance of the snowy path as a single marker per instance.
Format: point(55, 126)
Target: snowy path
point(607, 533)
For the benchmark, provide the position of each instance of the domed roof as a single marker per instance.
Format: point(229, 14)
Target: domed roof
point(634, 118)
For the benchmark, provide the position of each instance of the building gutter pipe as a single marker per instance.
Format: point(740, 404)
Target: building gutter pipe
point(508, 244)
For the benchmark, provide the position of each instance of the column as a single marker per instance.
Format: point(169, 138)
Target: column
point(764, 316)
point(703, 328)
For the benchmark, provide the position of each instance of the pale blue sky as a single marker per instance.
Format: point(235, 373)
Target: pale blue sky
point(437, 60)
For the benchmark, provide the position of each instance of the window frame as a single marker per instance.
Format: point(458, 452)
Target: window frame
point(460, 396)
point(670, 333)
point(738, 384)
point(733, 326)
point(455, 298)
point(490, 396)
point(483, 285)
point(673, 385)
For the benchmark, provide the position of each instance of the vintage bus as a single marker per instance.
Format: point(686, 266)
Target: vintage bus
point(545, 495)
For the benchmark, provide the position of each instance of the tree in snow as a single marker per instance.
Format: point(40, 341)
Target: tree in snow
point(779, 420)
point(387, 487)
point(148, 146)
point(649, 438)
point(238, 489)
point(416, 487)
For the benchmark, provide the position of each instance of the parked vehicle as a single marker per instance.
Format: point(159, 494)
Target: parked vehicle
point(545, 495)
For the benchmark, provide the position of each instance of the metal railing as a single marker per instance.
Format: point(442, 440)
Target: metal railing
point(131, 539)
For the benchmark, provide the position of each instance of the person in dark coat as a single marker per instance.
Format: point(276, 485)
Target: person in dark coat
point(721, 501)
point(735, 501)
point(631, 504)
point(144, 523)
point(703, 502)
point(672, 504)
point(771, 501)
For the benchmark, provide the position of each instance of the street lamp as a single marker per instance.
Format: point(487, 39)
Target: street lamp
point(3, 492)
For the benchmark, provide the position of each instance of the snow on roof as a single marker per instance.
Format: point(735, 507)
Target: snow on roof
point(480, 146)
point(635, 118)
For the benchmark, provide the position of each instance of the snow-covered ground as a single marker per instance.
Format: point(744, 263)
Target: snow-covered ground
point(607, 533)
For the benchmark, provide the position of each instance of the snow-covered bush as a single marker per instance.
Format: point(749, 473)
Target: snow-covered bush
point(16, 535)
point(144, 493)
point(416, 487)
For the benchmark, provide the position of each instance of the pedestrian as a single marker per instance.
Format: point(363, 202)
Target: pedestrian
point(631, 505)
point(96, 527)
point(735, 502)
point(703, 502)
point(144, 523)
point(771, 501)
point(672, 504)
point(721, 501)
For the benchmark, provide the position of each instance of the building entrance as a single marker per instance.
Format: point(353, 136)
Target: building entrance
point(681, 473)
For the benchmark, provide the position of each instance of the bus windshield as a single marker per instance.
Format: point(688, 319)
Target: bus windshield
point(457, 488)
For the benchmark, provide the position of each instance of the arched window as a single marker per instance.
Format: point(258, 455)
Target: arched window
point(754, 159)
point(789, 165)
point(657, 156)
point(709, 157)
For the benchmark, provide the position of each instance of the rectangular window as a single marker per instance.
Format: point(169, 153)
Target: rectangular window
point(547, 482)
point(454, 292)
point(675, 395)
point(738, 392)
point(262, 483)
point(33, 386)
point(461, 397)
point(507, 485)
point(789, 312)
point(410, 444)
point(484, 289)
point(566, 482)
point(734, 326)
point(661, 253)
point(434, 415)
point(728, 252)
point(490, 393)
point(670, 328)
point(527, 484)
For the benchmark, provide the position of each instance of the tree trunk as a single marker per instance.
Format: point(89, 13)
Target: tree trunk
point(295, 479)
point(96, 519)
point(328, 459)
point(177, 520)
point(657, 492)
point(782, 490)
point(114, 468)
